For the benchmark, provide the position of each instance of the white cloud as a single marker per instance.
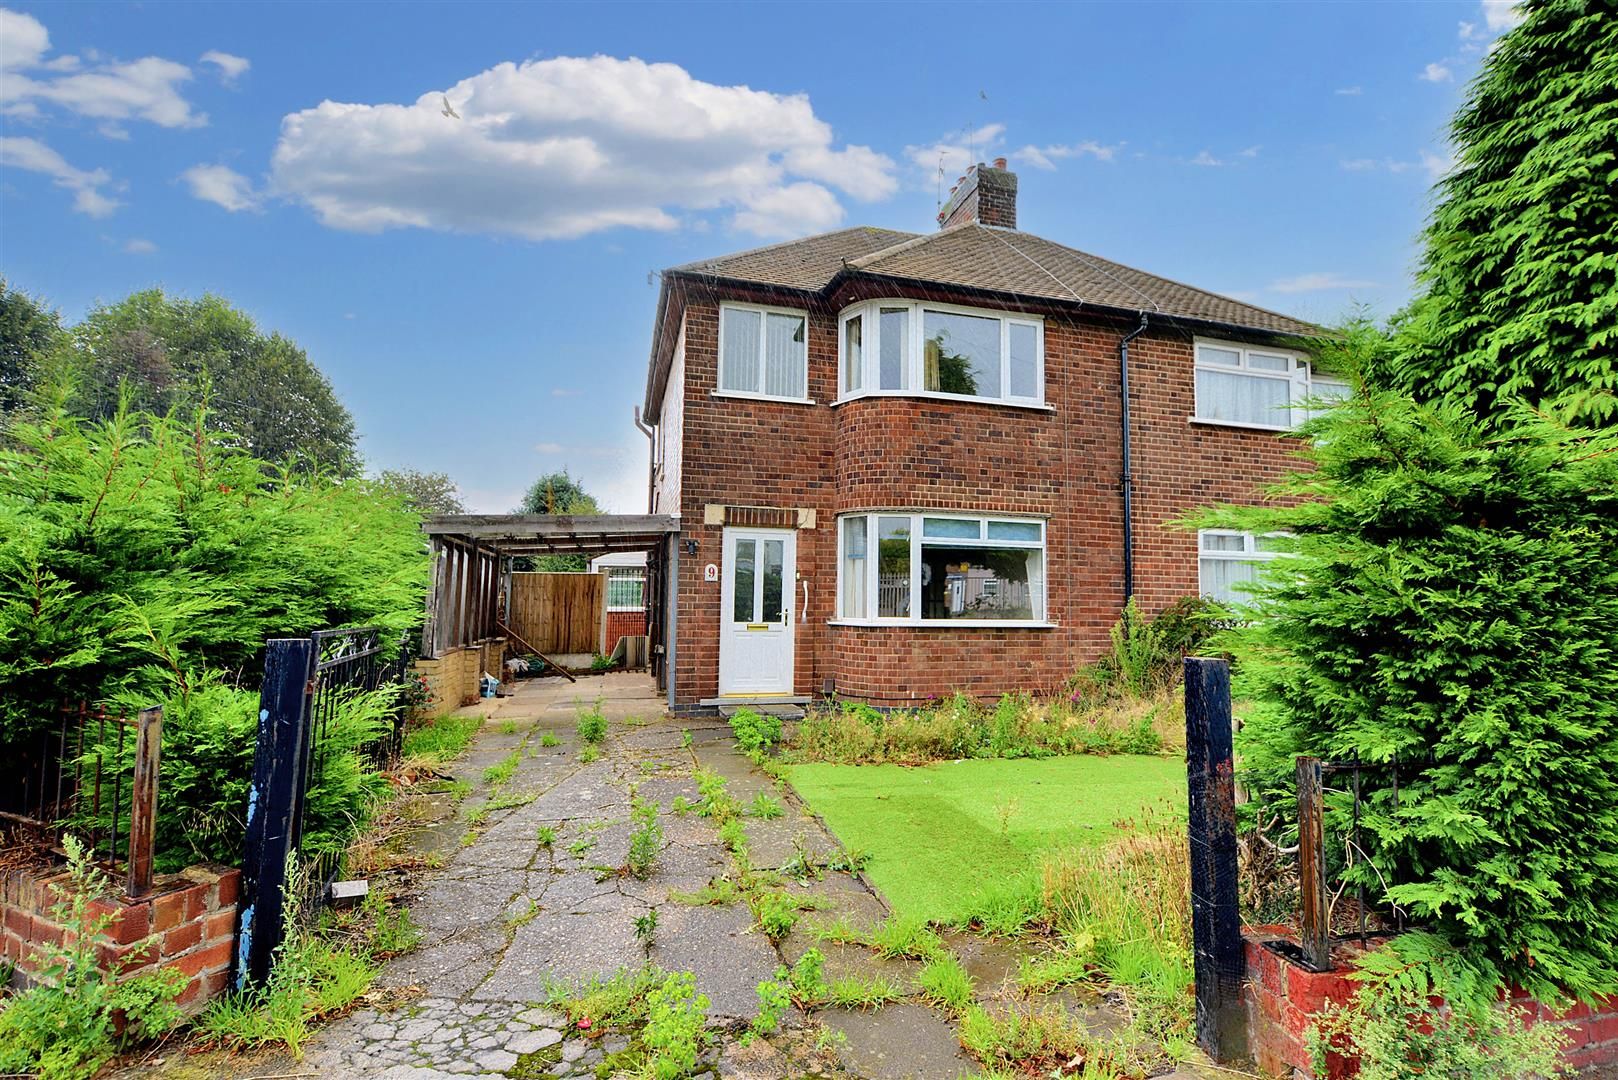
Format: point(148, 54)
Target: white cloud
point(1205, 158)
point(230, 67)
point(1436, 72)
point(24, 41)
point(1350, 91)
point(554, 449)
point(1501, 15)
point(221, 185)
point(1251, 151)
point(1046, 157)
point(1373, 164)
point(1469, 31)
point(144, 89)
point(1359, 164)
point(34, 156)
point(564, 147)
point(1318, 282)
point(139, 246)
point(953, 153)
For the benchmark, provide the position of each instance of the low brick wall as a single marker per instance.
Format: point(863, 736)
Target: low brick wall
point(1283, 997)
point(622, 624)
point(187, 923)
point(453, 677)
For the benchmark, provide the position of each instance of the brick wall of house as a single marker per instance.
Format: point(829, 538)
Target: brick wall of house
point(1061, 463)
point(187, 923)
point(624, 624)
point(1283, 999)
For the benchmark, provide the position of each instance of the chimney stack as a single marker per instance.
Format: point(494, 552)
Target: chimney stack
point(987, 194)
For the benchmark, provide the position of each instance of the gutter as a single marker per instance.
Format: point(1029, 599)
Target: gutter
point(1129, 465)
point(651, 463)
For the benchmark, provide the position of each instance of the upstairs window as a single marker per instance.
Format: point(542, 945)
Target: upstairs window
point(1256, 387)
point(763, 352)
point(899, 347)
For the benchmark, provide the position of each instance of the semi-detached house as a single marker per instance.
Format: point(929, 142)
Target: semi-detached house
point(898, 461)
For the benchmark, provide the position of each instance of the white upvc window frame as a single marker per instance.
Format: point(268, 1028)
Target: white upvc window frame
point(1300, 376)
point(764, 312)
point(914, 358)
point(1250, 553)
point(1041, 619)
point(637, 573)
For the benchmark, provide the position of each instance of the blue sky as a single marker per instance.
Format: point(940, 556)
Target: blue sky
point(477, 288)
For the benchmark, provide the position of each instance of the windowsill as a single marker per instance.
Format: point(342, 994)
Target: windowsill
point(949, 624)
point(1202, 421)
point(934, 395)
point(745, 396)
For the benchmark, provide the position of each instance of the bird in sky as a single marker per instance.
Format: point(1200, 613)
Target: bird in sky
point(449, 110)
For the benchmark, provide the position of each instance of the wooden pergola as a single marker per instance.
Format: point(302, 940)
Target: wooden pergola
point(472, 561)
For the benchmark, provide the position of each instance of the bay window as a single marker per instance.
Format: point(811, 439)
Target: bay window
point(940, 568)
point(1228, 559)
point(898, 347)
point(763, 352)
point(1257, 387)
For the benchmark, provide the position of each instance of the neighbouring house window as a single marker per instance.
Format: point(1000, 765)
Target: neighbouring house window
point(1230, 559)
point(941, 568)
point(763, 352)
point(626, 588)
point(1255, 387)
point(897, 347)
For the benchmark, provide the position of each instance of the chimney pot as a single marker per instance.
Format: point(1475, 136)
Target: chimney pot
point(985, 196)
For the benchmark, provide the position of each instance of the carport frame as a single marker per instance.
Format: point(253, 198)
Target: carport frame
point(471, 572)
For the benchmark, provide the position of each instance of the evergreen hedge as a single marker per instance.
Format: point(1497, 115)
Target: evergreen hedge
point(1451, 601)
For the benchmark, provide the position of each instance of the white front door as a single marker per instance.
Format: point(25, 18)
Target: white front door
point(755, 617)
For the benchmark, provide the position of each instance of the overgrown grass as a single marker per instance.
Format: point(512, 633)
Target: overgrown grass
point(922, 828)
point(1017, 726)
point(440, 740)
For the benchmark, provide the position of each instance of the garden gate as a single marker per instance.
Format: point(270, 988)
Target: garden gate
point(306, 681)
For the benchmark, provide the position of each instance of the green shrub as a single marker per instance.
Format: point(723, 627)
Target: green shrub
point(674, 1035)
point(592, 724)
point(755, 732)
point(774, 998)
point(1451, 600)
point(777, 914)
point(1392, 1030)
point(599, 663)
point(71, 1024)
point(646, 841)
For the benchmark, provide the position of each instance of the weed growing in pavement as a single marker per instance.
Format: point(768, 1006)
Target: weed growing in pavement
point(716, 893)
point(590, 753)
point(776, 913)
point(546, 834)
point(523, 915)
point(713, 800)
point(497, 774)
point(766, 806)
point(945, 982)
point(774, 998)
point(674, 1036)
point(508, 727)
point(734, 837)
point(580, 846)
point(645, 841)
point(755, 732)
point(685, 738)
point(469, 837)
point(809, 977)
point(509, 802)
point(1053, 968)
point(549, 739)
point(645, 927)
point(682, 806)
point(592, 726)
point(438, 741)
point(854, 992)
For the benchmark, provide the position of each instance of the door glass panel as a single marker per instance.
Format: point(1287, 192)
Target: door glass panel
point(893, 567)
point(771, 569)
point(742, 608)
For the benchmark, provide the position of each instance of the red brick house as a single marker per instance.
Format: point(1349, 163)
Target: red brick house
point(899, 460)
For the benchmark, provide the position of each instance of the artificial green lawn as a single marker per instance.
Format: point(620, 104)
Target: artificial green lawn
point(933, 832)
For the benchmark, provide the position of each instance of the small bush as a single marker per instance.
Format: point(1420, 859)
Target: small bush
point(755, 732)
point(675, 1018)
point(777, 914)
point(71, 1024)
point(646, 841)
point(774, 998)
point(592, 725)
point(599, 663)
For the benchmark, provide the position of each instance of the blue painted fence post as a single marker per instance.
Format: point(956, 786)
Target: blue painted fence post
point(274, 804)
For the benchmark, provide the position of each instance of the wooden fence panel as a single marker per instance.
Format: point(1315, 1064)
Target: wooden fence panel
point(559, 613)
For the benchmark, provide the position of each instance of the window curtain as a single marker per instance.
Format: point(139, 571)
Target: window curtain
point(784, 354)
point(1246, 399)
point(739, 369)
point(854, 543)
point(1220, 577)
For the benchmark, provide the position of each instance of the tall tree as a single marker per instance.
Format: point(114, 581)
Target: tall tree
point(425, 493)
point(260, 388)
point(1519, 280)
point(559, 493)
point(29, 333)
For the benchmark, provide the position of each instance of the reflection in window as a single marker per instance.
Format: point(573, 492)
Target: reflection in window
point(961, 354)
point(939, 567)
point(979, 583)
point(893, 567)
point(771, 606)
point(742, 605)
point(852, 570)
